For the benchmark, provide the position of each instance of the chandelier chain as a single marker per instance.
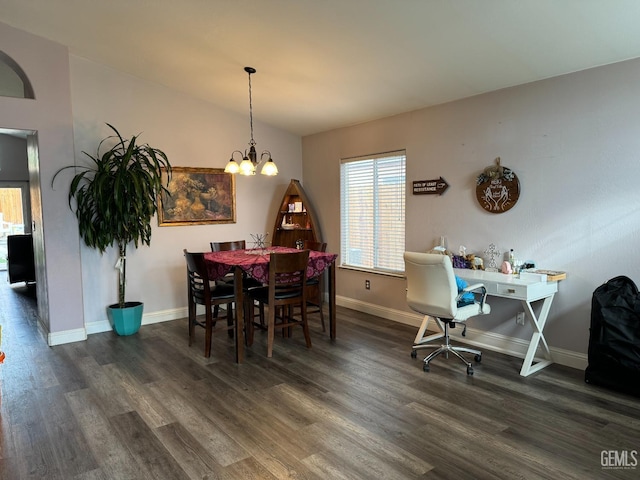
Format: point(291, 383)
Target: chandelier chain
point(252, 142)
point(251, 158)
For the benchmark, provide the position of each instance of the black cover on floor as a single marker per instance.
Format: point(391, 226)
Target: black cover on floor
point(20, 261)
point(614, 340)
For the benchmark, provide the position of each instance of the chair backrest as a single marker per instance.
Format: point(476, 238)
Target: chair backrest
point(197, 276)
point(226, 246)
point(195, 263)
point(288, 270)
point(431, 284)
point(316, 246)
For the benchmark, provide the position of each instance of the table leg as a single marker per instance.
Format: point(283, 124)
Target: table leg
point(239, 297)
point(332, 300)
point(531, 364)
point(424, 327)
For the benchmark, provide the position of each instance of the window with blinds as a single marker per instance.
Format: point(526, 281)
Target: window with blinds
point(372, 212)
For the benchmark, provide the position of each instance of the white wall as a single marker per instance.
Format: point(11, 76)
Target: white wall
point(572, 140)
point(13, 159)
point(574, 143)
point(192, 134)
point(81, 283)
point(46, 64)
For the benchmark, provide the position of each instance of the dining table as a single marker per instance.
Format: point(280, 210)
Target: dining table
point(254, 262)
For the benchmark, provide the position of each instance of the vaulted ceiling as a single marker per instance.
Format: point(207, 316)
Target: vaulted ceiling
point(323, 64)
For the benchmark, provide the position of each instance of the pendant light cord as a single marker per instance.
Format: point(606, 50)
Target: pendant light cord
point(251, 159)
point(252, 142)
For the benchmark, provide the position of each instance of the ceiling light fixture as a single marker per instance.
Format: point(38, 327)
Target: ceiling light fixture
point(250, 158)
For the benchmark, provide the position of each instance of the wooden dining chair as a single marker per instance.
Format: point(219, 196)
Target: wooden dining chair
point(225, 247)
point(248, 282)
point(287, 287)
point(315, 292)
point(201, 291)
point(229, 279)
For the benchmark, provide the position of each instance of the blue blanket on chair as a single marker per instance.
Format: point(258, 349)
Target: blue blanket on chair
point(467, 298)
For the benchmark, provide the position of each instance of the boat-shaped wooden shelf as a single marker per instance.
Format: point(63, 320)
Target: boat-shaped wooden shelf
point(295, 221)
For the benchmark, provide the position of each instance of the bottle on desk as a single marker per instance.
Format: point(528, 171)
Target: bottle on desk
point(515, 268)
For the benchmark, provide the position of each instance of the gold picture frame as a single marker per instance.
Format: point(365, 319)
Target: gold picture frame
point(199, 196)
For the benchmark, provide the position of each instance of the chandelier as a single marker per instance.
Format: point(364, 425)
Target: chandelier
point(250, 158)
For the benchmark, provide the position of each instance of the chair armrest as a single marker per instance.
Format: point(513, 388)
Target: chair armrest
point(479, 289)
point(475, 286)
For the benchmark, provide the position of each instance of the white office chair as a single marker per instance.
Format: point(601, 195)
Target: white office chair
point(432, 291)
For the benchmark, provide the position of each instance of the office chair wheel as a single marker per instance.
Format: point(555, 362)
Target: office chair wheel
point(426, 367)
point(469, 370)
point(414, 354)
point(478, 358)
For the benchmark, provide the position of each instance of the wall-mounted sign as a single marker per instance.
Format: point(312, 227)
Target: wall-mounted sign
point(497, 188)
point(430, 187)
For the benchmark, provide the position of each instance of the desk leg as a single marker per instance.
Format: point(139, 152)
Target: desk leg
point(421, 339)
point(239, 295)
point(538, 323)
point(332, 300)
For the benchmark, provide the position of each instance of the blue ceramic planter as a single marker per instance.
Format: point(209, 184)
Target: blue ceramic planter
point(127, 320)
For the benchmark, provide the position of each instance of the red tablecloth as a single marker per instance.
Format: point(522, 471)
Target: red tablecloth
point(256, 262)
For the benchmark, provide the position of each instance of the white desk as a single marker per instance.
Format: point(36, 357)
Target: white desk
point(528, 288)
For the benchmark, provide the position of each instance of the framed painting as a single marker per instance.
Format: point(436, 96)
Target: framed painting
point(199, 196)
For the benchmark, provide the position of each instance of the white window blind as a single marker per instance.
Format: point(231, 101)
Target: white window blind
point(372, 212)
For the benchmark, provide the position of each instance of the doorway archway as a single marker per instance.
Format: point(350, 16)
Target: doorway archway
point(46, 121)
point(20, 169)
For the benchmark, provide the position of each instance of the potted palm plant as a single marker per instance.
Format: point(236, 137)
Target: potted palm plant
point(116, 196)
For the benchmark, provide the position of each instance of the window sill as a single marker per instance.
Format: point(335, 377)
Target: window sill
point(372, 271)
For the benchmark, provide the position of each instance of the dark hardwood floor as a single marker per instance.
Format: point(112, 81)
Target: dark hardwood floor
point(148, 406)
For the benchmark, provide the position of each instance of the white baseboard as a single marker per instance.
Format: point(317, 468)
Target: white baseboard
point(516, 347)
point(147, 319)
point(406, 318)
point(66, 336)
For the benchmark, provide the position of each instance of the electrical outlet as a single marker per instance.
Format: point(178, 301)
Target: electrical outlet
point(367, 284)
point(520, 318)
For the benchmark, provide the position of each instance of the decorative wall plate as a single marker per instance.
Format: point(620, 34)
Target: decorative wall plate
point(497, 188)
